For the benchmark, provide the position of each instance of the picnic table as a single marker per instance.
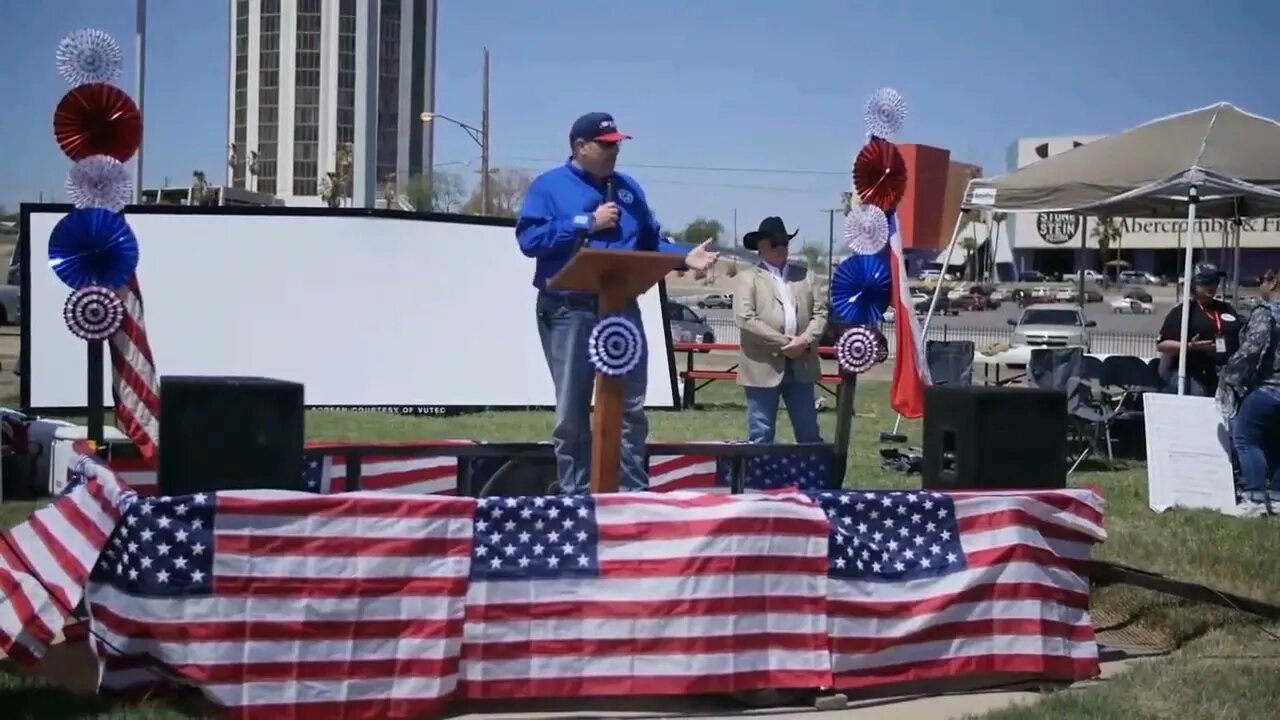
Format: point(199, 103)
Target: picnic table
point(695, 379)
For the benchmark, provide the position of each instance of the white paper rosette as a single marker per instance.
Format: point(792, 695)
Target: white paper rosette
point(89, 56)
point(100, 181)
point(615, 345)
point(866, 229)
point(886, 112)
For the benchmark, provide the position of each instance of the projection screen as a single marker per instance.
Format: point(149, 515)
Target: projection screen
point(370, 310)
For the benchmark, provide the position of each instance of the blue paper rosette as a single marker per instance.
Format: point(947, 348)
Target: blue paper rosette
point(93, 246)
point(615, 345)
point(861, 288)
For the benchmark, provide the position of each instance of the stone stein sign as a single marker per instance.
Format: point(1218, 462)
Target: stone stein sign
point(1057, 228)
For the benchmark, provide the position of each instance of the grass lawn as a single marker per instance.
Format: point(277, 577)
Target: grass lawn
point(1227, 667)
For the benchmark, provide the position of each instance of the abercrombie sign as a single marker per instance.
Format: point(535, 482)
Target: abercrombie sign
point(1139, 225)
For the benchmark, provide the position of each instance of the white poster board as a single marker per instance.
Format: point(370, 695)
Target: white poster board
point(1188, 454)
point(369, 310)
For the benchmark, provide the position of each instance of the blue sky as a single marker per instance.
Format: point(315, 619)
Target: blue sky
point(772, 89)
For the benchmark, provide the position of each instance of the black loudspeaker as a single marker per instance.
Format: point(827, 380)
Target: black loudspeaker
point(994, 438)
point(230, 433)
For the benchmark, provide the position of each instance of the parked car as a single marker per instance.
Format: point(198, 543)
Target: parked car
point(1120, 306)
point(1138, 294)
point(687, 326)
point(970, 302)
point(1072, 294)
point(716, 300)
point(1051, 325)
point(944, 307)
point(1031, 276)
point(10, 304)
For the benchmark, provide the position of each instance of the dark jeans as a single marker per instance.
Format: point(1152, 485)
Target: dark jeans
point(1253, 435)
point(564, 325)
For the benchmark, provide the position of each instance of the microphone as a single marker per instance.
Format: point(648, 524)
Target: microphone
point(585, 237)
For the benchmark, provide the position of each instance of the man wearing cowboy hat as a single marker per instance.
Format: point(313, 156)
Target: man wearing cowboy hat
point(781, 313)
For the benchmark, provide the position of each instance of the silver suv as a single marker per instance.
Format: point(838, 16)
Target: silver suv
point(1051, 325)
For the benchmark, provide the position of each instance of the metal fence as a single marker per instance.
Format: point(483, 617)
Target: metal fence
point(1109, 342)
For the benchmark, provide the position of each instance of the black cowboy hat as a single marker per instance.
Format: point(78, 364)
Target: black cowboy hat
point(772, 228)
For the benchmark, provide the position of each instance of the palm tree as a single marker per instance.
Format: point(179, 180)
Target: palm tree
point(1106, 232)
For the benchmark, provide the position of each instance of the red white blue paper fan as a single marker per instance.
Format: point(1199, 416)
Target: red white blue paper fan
point(93, 313)
point(861, 288)
point(615, 345)
point(89, 56)
point(880, 174)
point(866, 229)
point(856, 350)
point(886, 113)
point(100, 181)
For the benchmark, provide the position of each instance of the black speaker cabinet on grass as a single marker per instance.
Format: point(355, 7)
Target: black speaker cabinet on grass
point(994, 438)
point(230, 433)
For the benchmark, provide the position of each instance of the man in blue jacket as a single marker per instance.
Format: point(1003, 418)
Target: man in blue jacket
point(563, 208)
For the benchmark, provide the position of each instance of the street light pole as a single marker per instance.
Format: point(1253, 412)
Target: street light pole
point(484, 139)
point(479, 134)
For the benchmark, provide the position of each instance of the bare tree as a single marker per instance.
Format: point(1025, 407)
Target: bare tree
point(506, 189)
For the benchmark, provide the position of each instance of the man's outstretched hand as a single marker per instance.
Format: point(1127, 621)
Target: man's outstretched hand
point(700, 258)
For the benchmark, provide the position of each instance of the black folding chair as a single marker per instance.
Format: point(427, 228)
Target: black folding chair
point(1088, 419)
point(950, 361)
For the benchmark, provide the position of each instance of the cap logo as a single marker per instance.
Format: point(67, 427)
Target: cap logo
point(606, 125)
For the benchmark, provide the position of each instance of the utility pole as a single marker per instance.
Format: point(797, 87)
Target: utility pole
point(140, 78)
point(831, 245)
point(484, 137)
point(735, 228)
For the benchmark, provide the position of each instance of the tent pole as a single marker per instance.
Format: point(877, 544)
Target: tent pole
point(1235, 252)
point(933, 302)
point(1193, 197)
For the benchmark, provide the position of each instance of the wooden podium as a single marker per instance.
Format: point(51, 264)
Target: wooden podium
point(617, 277)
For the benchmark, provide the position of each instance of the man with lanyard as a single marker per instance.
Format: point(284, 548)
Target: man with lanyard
point(1213, 331)
point(585, 202)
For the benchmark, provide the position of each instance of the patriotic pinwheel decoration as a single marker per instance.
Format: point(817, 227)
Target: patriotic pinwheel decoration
point(93, 246)
point(886, 113)
point(100, 181)
point(615, 346)
point(866, 229)
point(856, 350)
point(93, 313)
point(880, 174)
point(860, 289)
point(89, 56)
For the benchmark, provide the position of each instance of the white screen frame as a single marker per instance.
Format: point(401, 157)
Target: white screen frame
point(186, 309)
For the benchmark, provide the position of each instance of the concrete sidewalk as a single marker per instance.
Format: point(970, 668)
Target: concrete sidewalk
point(951, 706)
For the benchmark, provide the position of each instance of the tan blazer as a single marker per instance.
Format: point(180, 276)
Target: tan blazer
point(758, 312)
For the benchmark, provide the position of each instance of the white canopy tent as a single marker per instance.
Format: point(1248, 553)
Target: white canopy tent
point(1214, 162)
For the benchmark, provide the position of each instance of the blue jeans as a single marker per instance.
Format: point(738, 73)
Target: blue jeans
point(1253, 435)
point(564, 325)
point(762, 409)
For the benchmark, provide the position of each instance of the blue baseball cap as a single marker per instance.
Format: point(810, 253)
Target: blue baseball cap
point(596, 126)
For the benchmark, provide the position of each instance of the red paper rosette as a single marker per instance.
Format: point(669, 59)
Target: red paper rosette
point(880, 174)
point(97, 119)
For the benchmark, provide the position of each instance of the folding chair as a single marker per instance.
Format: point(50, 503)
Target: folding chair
point(950, 361)
point(1088, 420)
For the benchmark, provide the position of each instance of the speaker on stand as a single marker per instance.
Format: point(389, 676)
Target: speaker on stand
point(994, 438)
point(230, 433)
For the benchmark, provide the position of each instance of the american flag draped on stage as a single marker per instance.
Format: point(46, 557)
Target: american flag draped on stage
point(375, 604)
